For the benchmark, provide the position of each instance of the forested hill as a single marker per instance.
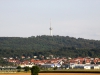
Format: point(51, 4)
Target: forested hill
point(47, 43)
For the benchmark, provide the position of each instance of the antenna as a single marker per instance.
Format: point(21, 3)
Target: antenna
point(50, 28)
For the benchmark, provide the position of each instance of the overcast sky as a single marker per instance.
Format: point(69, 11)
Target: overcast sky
point(74, 18)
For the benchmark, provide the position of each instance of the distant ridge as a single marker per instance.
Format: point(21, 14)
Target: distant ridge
point(45, 42)
point(45, 45)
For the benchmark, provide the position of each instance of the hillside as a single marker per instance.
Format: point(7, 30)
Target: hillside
point(44, 45)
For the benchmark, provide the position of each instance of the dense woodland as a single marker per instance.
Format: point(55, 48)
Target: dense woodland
point(59, 46)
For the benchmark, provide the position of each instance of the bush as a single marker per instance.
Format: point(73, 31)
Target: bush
point(19, 68)
point(26, 69)
point(55, 68)
point(35, 70)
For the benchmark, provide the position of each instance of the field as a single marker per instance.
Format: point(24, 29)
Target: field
point(67, 72)
point(53, 74)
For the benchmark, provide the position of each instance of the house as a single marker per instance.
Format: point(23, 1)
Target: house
point(88, 66)
point(22, 66)
point(87, 61)
point(23, 57)
point(8, 69)
point(50, 65)
point(79, 66)
point(47, 65)
point(72, 65)
point(96, 67)
point(37, 62)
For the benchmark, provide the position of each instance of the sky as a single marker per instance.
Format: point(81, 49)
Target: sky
point(26, 18)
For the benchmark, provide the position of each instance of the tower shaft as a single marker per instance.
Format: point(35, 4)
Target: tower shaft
point(50, 28)
point(50, 31)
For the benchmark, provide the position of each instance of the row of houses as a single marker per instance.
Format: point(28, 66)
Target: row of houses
point(8, 69)
point(84, 66)
point(85, 63)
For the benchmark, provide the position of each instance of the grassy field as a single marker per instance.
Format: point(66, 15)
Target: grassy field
point(56, 72)
point(53, 74)
point(72, 71)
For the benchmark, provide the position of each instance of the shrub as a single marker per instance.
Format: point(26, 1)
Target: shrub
point(35, 70)
point(26, 69)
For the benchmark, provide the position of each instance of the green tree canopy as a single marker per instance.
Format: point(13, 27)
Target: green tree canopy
point(26, 69)
point(35, 70)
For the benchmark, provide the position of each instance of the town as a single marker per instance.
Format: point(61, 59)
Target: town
point(59, 63)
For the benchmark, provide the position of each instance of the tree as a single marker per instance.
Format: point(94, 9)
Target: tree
point(19, 68)
point(92, 62)
point(35, 70)
point(26, 69)
point(55, 68)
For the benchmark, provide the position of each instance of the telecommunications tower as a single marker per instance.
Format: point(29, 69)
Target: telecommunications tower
point(50, 28)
